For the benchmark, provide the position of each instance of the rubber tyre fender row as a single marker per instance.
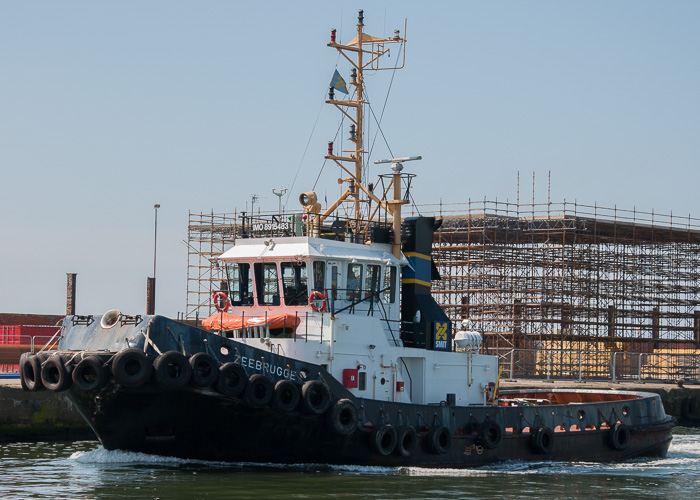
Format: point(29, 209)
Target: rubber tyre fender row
point(315, 397)
point(232, 380)
point(406, 441)
point(90, 374)
point(542, 440)
point(619, 436)
point(172, 370)
point(439, 440)
point(205, 370)
point(131, 368)
point(383, 439)
point(286, 396)
point(490, 434)
point(54, 374)
point(342, 418)
point(259, 391)
point(688, 408)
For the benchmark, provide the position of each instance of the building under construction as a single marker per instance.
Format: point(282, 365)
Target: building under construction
point(575, 280)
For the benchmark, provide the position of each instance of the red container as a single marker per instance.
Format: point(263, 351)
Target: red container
point(399, 387)
point(350, 378)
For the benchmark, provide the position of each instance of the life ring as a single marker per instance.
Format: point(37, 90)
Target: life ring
point(259, 391)
point(221, 302)
point(232, 379)
point(131, 367)
point(314, 298)
point(205, 370)
point(172, 370)
point(406, 441)
point(490, 434)
point(619, 436)
point(383, 439)
point(286, 396)
point(542, 440)
point(688, 408)
point(54, 375)
point(439, 439)
point(90, 374)
point(342, 417)
point(315, 397)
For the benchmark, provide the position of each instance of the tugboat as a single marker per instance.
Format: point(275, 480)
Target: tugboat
point(328, 347)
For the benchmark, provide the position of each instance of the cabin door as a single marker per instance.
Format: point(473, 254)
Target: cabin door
point(383, 383)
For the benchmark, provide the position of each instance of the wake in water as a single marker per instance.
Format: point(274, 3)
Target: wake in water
point(683, 457)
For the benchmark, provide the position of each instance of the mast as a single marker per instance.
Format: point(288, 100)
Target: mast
point(364, 51)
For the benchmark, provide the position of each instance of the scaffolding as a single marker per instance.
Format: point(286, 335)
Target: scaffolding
point(536, 276)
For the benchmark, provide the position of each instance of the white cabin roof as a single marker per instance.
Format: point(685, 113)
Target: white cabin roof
point(301, 246)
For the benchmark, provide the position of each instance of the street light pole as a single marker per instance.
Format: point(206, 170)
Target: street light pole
point(151, 288)
point(155, 238)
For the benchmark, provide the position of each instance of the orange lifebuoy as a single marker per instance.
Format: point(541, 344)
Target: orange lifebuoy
point(221, 301)
point(313, 301)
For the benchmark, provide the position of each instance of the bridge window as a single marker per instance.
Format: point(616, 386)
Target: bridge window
point(389, 295)
point(266, 283)
point(319, 275)
point(294, 281)
point(354, 281)
point(240, 284)
point(373, 279)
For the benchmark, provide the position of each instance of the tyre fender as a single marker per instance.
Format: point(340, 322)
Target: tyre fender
point(90, 374)
point(259, 391)
point(383, 439)
point(542, 440)
point(315, 397)
point(232, 380)
point(205, 370)
point(342, 417)
point(54, 375)
point(172, 370)
point(131, 368)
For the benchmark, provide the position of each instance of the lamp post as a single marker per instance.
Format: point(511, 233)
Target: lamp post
point(151, 288)
point(155, 238)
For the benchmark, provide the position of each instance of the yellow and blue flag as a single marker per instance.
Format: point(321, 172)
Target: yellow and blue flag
point(338, 83)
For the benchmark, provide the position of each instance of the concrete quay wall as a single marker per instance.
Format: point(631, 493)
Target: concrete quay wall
point(38, 416)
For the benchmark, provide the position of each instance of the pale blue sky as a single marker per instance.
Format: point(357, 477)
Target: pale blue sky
point(109, 107)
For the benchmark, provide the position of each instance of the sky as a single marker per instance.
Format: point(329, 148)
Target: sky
point(107, 108)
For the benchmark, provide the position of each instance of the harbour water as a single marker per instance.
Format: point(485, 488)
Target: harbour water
point(84, 470)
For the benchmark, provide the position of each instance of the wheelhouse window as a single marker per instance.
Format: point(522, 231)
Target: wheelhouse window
point(319, 268)
point(373, 279)
point(240, 284)
point(294, 281)
point(353, 281)
point(267, 283)
point(389, 287)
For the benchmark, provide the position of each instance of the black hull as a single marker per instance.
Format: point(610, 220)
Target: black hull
point(202, 423)
point(199, 424)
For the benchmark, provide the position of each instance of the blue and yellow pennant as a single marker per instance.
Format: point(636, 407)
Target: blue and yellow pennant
point(338, 83)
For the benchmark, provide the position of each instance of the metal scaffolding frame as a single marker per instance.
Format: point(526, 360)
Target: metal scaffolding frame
point(536, 276)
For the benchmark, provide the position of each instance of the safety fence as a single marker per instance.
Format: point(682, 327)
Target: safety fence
point(562, 364)
point(12, 346)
